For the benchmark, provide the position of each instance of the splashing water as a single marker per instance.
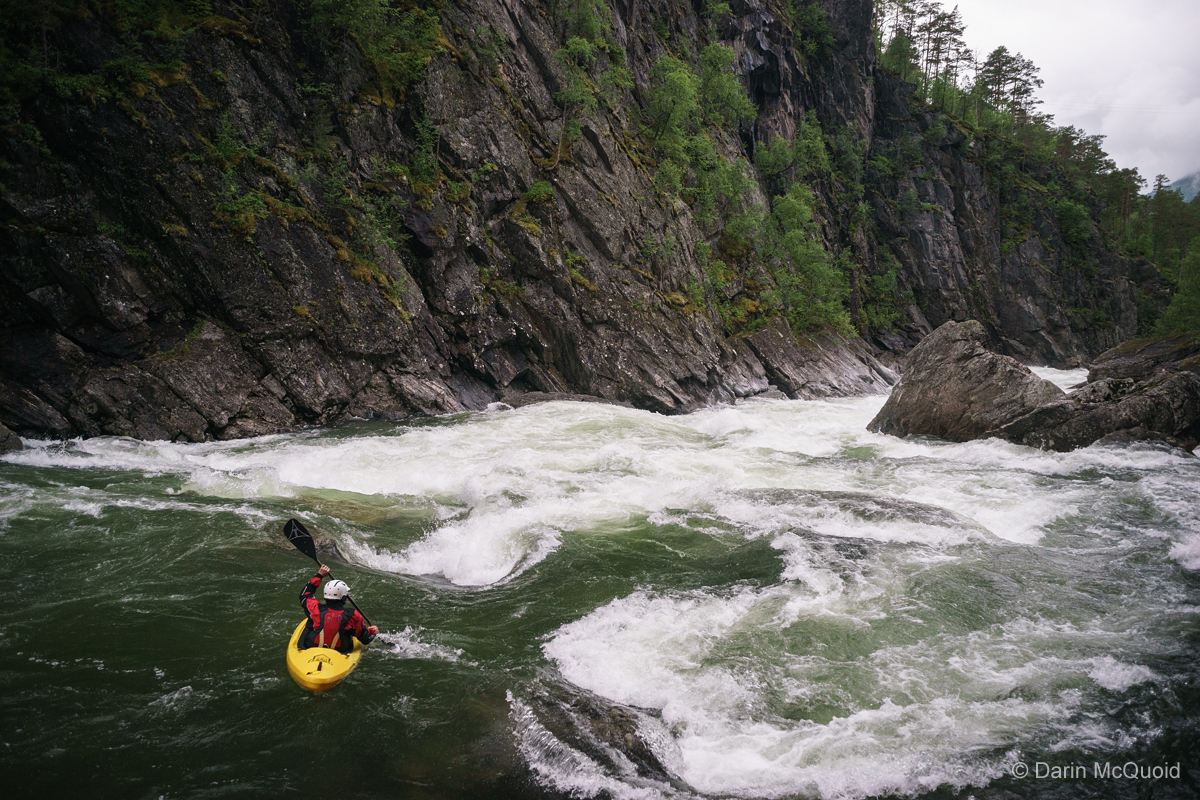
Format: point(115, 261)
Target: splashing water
point(792, 606)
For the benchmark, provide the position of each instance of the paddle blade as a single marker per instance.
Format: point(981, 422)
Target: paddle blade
point(301, 539)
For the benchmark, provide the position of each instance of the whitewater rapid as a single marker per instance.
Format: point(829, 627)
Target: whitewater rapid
point(924, 624)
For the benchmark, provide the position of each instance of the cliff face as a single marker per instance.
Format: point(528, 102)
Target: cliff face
point(228, 243)
point(972, 252)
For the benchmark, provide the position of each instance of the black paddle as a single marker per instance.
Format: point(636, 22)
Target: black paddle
point(302, 540)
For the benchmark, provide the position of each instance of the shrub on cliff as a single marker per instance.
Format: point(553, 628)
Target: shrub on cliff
point(721, 95)
point(810, 283)
point(810, 27)
point(397, 43)
point(674, 105)
point(1184, 312)
point(1074, 222)
point(781, 163)
point(683, 98)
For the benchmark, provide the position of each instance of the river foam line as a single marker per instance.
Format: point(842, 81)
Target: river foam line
point(516, 481)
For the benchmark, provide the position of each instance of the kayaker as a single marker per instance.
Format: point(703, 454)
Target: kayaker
point(331, 624)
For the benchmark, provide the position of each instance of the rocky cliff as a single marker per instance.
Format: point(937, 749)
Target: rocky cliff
point(223, 219)
point(977, 246)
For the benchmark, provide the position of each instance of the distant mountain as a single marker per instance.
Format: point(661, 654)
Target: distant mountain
point(1189, 187)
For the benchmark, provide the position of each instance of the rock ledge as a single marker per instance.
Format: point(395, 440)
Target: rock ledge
point(956, 388)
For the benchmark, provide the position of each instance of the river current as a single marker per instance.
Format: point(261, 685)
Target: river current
point(787, 604)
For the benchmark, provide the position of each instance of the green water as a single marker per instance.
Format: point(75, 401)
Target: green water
point(796, 607)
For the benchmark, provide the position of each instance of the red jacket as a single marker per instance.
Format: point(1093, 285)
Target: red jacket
point(330, 624)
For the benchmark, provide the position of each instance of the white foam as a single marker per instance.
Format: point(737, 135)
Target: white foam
point(907, 718)
point(529, 476)
point(1062, 378)
point(473, 553)
point(1187, 552)
point(803, 565)
point(1118, 677)
point(407, 644)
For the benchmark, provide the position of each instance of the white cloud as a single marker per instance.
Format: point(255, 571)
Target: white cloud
point(1130, 71)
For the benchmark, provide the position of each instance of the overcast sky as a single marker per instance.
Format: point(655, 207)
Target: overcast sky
point(1127, 69)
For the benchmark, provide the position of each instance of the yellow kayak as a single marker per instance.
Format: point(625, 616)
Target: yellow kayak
point(319, 668)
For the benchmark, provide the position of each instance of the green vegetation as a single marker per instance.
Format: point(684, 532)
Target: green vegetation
point(1074, 221)
point(810, 27)
point(1160, 227)
point(540, 192)
point(1184, 312)
point(1031, 163)
point(715, 10)
point(811, 285)
point(684, 99)
point(397, 42)
point(781, 163)
point(423, 170)
point(882, 303)
point(578, 96)
point(673, 107)
point(593, 67)
point(241, 211)
point(721, 96)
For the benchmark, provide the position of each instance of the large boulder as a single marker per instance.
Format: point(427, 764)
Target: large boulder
point(1141, 390)
point(955, 388)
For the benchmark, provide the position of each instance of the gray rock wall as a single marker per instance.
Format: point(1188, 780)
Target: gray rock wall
point(136, 301)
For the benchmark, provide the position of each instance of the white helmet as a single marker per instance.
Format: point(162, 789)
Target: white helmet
point(336, 590)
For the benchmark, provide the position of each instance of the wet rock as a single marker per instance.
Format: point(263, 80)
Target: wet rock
point(828, 366)
point(955, 388)
point(1102, 390)
point(1140, 435)
point(1160, 409)
point(9, 441)
point(1140, 359)
point(615, 736)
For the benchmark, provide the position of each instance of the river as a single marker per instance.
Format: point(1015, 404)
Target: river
point(792, 606)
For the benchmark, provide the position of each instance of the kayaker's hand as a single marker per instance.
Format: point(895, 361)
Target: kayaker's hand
point(323, 571)
point(374, 631)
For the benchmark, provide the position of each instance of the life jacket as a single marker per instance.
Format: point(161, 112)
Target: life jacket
point(327, 627)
